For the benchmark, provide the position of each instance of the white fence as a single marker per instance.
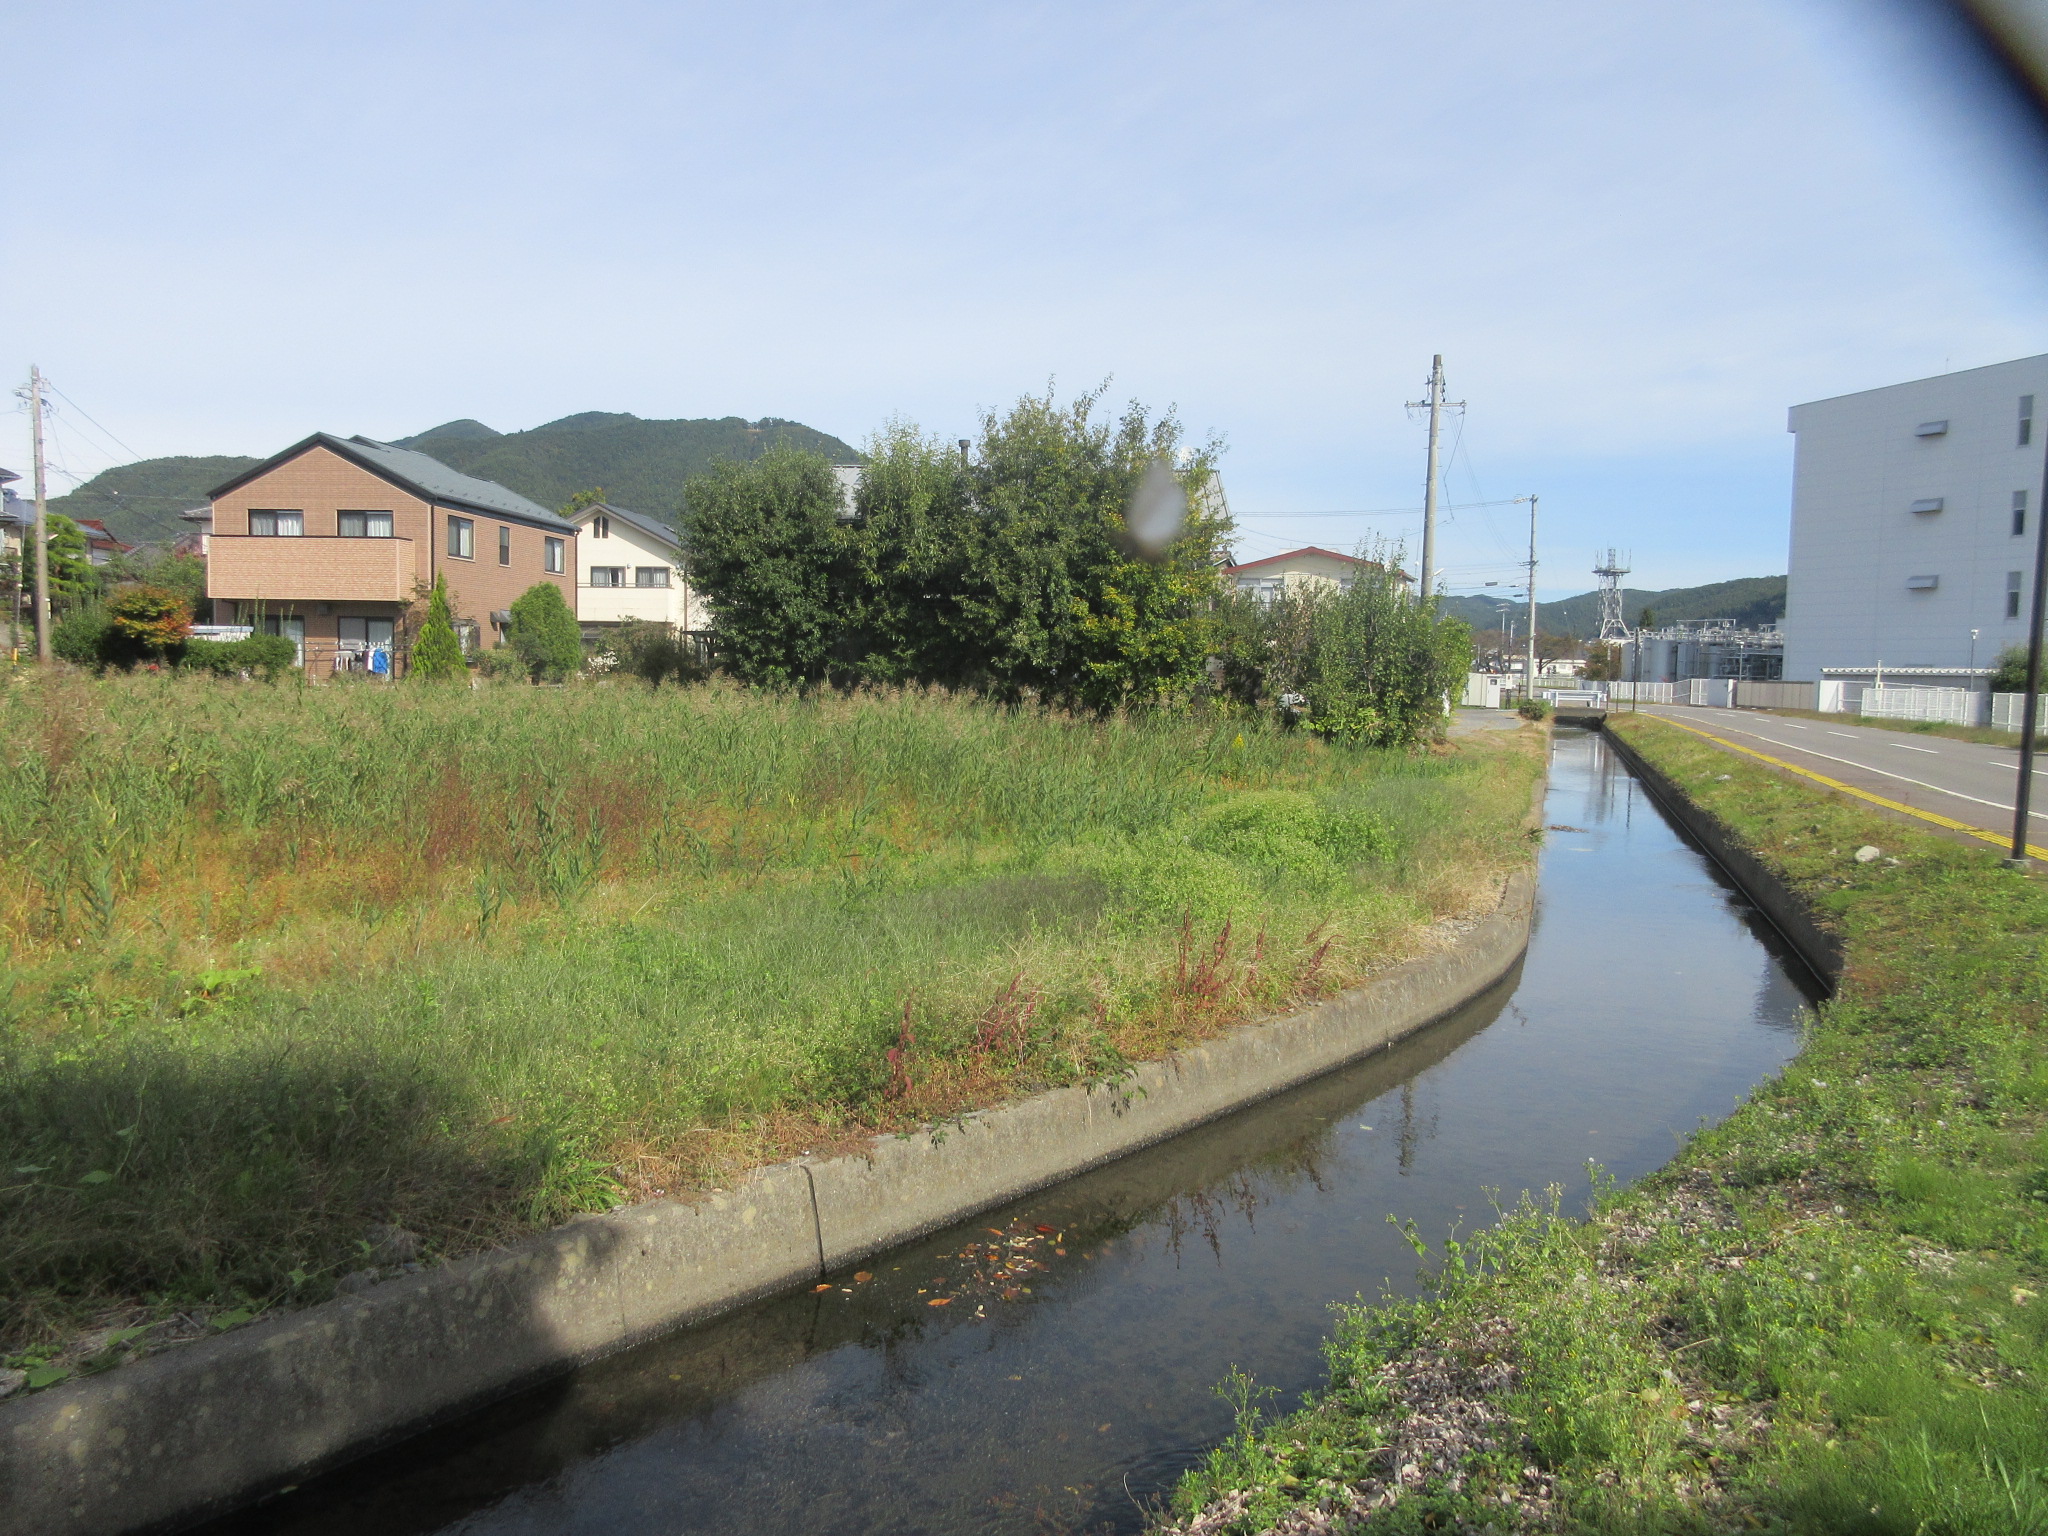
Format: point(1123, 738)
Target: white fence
point(1949, 706)
point(2006, 709)
point(1645, 693)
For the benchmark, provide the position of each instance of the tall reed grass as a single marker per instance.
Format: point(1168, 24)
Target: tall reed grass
point(290, 966)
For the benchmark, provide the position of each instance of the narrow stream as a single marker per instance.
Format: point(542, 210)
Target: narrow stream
point(1652, 998)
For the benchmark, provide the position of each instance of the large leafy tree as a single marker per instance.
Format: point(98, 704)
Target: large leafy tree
point(1013, 573)
point(770, 551)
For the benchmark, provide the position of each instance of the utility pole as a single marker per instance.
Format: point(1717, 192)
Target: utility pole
point(1436, 402)
point(2030, 714)
point(1530, 689)
point(35, 416)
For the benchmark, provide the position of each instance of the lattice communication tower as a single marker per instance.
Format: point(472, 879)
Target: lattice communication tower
point(1613, 626)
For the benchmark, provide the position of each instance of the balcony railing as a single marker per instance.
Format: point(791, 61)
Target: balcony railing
point(310, 570)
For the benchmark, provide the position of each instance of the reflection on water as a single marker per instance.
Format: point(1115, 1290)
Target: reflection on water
point(1049, 1366)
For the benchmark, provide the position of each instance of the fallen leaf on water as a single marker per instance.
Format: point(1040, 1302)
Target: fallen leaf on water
point(1042, 1229)
point(861, 1277)
point(997, 1230)
point(1011, 1293)
point(1101, 1429)
point(1061, 1252)
point(940, 1301)
point(817, 1288)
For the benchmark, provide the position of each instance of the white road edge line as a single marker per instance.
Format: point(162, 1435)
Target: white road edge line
point(1884, 773)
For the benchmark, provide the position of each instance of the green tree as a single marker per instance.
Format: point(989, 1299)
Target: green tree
point(183, 574)
point(544, 634)
point(770, 553)
point(590, 498)
point(1374, 665)
point(73, 579)
point(2010, 675)
point(1013, 574)
point(437, 651)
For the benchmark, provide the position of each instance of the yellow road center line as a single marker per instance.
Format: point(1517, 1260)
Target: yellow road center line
point(1850, 789)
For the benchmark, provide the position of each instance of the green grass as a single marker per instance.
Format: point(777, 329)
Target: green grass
point(290, 967)
point(1825, 1315)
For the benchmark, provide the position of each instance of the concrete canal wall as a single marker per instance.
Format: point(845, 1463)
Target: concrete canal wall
point(1815, 944)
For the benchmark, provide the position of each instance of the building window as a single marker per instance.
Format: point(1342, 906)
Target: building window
point(551, 556)
point(2026, 420)
point(2012, 594)
point(607, 575)
point(2019, 513)
point(600, 527)
point(650, 576)
point(277, 525)
point(363, 525)
point(504, 545)
point(461, 538)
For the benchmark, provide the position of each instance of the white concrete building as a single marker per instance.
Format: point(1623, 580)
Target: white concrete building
point(1913, 512)
point(628, 566)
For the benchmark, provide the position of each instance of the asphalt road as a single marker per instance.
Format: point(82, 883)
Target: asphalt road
point(1958, 779)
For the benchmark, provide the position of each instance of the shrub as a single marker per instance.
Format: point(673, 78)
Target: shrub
point(262, 656)
point(655, 653)
point(79, 637)
point(1534, 709)
point(2011, 674)
point(501, 663)
point(145, 621)
point(437, 653)
point(544, 633)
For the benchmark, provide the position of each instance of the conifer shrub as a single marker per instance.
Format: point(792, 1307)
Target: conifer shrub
point(437, 653)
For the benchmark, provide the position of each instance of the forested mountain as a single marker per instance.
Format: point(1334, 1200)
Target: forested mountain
point(1751, 600)
point(140, 502)
point(641, 464)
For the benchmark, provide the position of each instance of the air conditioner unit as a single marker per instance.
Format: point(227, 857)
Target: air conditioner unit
point(1922, 583)
point(1931, 429)
point(1927, 504)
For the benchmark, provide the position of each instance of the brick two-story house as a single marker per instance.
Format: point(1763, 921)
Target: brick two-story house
point(331, 541)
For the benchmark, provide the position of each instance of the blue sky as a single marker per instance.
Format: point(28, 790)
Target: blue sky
point(1637, 234)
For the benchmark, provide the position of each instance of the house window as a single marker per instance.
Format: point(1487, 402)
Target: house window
point(2012, 594)
point(363, 645)
point(2019, 513)
point(363, 525)
point(2026, 420)
point(600, 527)
point(461, 538)
point(504, 545)
point(607, 575)
point(650, 576)
point(277, 525)
point(551, 556)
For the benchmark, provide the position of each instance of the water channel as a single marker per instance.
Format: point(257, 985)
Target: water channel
point(1652, 998)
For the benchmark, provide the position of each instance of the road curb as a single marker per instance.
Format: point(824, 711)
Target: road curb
point(193, 1432)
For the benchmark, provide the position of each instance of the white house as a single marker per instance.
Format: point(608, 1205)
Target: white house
point(628, 566)
point(1297, 571)
point(1913, 528)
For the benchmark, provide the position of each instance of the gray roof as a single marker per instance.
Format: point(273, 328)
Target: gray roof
point(639, 520)
point(428, 478)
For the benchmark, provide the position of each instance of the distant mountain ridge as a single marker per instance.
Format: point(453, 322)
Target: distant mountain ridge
point(641, 464)
point(1750, 600)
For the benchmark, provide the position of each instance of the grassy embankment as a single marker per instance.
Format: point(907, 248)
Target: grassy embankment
point(307, 981)
point(1830, 1313)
